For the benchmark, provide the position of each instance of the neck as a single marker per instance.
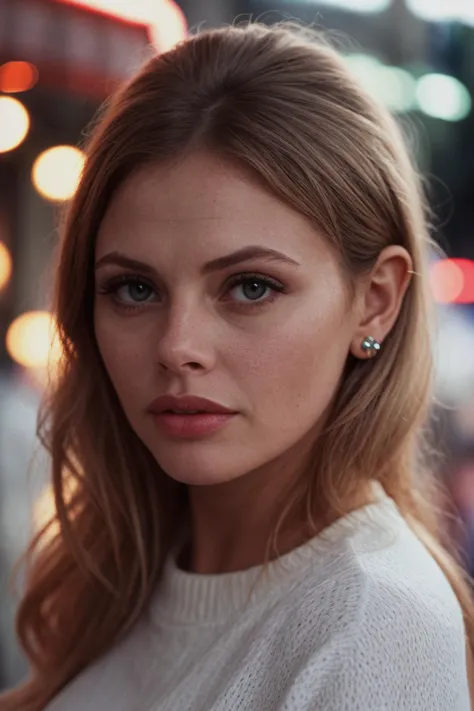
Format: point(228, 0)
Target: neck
point(231, 522)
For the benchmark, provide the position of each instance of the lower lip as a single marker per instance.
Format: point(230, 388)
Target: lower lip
point(192, 425)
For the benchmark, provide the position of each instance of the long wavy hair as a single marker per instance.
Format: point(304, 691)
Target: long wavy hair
point(281, 101)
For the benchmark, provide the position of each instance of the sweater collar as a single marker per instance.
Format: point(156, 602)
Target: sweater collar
point(190, 598)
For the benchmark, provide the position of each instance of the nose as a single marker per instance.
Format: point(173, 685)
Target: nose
point(184, 342)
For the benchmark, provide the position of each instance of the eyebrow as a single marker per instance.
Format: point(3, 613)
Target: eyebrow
point(229, 260)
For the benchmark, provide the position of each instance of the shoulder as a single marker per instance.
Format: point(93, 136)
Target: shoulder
point(394, 584)
point(379, 569)
point(384, 630)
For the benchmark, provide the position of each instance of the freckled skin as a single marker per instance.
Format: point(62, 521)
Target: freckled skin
point(277, 365)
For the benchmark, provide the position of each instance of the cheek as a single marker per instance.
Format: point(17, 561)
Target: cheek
point(125, 354)
point(297, 365)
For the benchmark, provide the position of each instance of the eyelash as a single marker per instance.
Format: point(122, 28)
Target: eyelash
point(113, 285)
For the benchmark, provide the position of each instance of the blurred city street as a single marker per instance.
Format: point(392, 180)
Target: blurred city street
point(61, 59)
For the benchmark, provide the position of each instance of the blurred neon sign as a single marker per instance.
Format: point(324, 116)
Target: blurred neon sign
point(164, 18)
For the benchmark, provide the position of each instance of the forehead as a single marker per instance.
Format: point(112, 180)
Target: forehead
point(205, 204)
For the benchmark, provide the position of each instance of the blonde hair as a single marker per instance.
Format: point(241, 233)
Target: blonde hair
point(281, 101)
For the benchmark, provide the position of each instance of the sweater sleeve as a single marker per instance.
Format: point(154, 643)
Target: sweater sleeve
point(401, 652)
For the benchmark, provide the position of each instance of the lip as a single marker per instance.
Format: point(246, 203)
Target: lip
point(212, 416)
point(187, 402)
point(192, 426)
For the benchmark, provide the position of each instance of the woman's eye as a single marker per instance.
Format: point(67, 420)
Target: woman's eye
point(248, 289)
point(134, 292)
point(244, 290)
point(251, 290)
point(128, 292)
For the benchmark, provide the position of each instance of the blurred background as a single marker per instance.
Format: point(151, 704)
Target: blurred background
point(60, 59)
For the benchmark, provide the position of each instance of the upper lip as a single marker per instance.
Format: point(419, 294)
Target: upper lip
point(186, 402)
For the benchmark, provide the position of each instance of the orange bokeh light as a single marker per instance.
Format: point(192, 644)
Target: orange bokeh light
point(17, 76)
point(14, 123)
point(5, 265)
point(32, 340)
point(44, 510)
point(56, 172)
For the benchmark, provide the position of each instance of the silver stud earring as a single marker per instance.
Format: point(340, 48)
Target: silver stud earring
point(370, 346)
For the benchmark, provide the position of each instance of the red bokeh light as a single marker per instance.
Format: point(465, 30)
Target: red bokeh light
point(165, 19)
point(17, 76)
point(452, 281)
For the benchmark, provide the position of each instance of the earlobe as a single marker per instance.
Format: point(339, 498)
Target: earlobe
point(382, 293)
point(368, 348)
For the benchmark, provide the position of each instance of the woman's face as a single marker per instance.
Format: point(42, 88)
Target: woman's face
point(265, 336)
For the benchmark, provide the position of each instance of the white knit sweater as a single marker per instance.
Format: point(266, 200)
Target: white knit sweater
point(359, 619)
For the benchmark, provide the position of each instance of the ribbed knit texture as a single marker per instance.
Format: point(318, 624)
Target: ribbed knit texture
point(361, 618)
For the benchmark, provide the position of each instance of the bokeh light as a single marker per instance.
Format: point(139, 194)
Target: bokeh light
point(359, 5)
point(5, 265)
point(31, 340)
point(44, 509)
point(443, 10)
point(438, 95)
point(452, 281)
point(165, 18)
point(17, 76)
point(393, 86)
point(57, 171)
point(443, 96)
point(398, 91)
point(14, 123)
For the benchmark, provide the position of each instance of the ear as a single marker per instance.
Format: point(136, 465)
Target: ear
point(380, 297)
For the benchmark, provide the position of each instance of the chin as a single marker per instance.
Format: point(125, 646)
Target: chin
point(195, 465)
point(196, 480)
point(197, 476)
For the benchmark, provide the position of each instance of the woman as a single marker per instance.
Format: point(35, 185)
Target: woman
point(243, 520)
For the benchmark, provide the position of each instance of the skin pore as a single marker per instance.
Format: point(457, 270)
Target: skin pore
point(267, 337)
